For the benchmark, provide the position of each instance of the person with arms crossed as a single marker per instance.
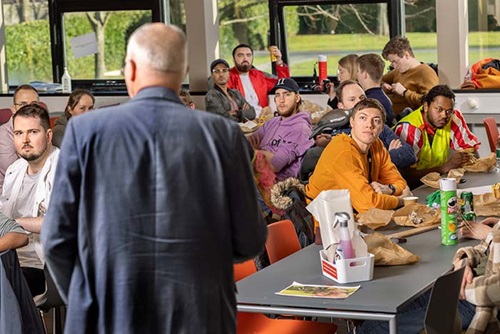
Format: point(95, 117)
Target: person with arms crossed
point(28, 186)
point(253, 84)
point(360, 163)
point(153, 203)
point(438, 134)
point(224, 101)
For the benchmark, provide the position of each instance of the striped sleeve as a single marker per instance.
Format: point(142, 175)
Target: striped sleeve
point(461, 137)
point(410, 134)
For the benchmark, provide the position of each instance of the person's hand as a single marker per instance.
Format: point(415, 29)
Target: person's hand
point(386, 87)
point(245, 106)
point(456, 160)
point(406, 192)
point(479, 231)
point(398, 88)
point(254, 141)
point(468, 276)
point(273, 49)
point(394, 144)
point(380, 188)
point(490, 221)
point(323, 139)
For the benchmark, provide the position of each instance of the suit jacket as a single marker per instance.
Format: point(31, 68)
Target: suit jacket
point(152, 204)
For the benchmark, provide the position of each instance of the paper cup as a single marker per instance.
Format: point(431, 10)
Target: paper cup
point(410, 200)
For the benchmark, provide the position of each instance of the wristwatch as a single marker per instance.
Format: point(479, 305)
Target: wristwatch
point(393, 189)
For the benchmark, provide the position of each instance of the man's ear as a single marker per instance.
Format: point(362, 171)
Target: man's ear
point(132, 70)
point(49, 135)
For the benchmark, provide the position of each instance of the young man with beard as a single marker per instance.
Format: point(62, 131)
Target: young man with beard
point(284, 139)
point(359, 162)
point(434, 129)
point(28, 185)
point(224, 101)
point(23, 95)
point(255, 85)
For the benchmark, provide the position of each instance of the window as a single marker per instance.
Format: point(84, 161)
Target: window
point(484, 30)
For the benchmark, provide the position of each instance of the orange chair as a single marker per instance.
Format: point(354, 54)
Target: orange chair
point(256, 323)
point(281, 241)
point(492, 131)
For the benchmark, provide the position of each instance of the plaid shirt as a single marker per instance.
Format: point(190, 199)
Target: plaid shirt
point(484, 291)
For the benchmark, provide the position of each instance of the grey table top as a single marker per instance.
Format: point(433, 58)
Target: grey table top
point(390, 290)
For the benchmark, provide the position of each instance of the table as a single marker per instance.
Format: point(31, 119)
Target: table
point(391, 289)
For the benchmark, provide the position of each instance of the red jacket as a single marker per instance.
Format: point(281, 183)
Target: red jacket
point(261, 83)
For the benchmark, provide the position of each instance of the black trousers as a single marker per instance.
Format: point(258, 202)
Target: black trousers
point(35, 279)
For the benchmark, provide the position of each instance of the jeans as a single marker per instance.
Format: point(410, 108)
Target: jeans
point(411, 318)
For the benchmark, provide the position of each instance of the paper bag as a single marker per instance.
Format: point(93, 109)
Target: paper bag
point(323, 208)
point(375, 218)
point(417, 215)
point(486, 205)
point(483, 164)
point(386, 252)
point(432, 179)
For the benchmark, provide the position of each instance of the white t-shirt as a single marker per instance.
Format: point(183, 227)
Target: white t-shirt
point(250, 94)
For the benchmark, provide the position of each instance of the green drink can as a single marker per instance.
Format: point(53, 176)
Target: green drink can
point(449, 211)
point(467, 202)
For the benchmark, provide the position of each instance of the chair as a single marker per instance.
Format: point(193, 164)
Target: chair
point(5, 115)
point(492, 132)
point(51, 299)
point(281, 241)
point(251, 323)
point(54, 116)
point(442, 315)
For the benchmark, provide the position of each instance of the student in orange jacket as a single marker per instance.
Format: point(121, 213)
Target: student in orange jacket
point(359, 162)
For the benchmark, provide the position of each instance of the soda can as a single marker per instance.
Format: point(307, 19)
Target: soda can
point(467, 202)
point(469, 216)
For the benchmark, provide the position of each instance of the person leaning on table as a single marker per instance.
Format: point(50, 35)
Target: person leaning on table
point(359, 162)
point(479, 295)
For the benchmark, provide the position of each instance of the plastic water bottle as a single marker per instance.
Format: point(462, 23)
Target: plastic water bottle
point(497, 169)
point(322, 69)
point(66, 81)
point(345, 243)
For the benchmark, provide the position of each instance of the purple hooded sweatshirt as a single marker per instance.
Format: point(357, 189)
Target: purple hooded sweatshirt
point(289, 140)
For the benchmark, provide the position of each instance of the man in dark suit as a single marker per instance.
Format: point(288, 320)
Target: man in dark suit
point(153, 203)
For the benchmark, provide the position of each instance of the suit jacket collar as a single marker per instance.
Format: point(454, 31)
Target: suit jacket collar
point(158, 92)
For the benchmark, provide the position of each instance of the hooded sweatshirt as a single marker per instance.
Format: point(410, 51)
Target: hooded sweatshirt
point(288, 139)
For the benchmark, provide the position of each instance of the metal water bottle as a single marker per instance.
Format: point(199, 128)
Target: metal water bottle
point(322, 70)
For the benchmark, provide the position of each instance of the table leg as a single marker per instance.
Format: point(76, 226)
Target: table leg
point(392, 326)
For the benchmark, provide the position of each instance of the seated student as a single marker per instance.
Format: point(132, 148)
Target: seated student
point(410, 80)
point(284, 139)
point(187, 99)
point(479, 296)
point(79, 102)
point(224, 101)
point(346, 70)
point(370, 71)
point(349, 93)
point(434, 129)
point(28, 186)
point(359, 162)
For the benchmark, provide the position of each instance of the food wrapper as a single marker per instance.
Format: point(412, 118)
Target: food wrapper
point(323, 208)
point(416, 214)
point(386, 252)
point(486, 205)
point(432, 179)
point(482, 165)
point(496, 190)
point(375, 218)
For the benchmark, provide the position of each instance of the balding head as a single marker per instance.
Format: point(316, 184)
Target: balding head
point(156, 56)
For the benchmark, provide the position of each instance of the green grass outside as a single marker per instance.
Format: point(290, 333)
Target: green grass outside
point(423, 44)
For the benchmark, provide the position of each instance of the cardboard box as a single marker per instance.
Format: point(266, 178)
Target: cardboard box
point(348, 271)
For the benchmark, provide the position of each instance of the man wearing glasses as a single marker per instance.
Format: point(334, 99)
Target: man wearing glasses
point(433, 130)
point(23, 95)
point(224, 101)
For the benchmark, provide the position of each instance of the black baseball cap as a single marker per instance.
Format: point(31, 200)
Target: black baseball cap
point(287, 84)
point(217, 62)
